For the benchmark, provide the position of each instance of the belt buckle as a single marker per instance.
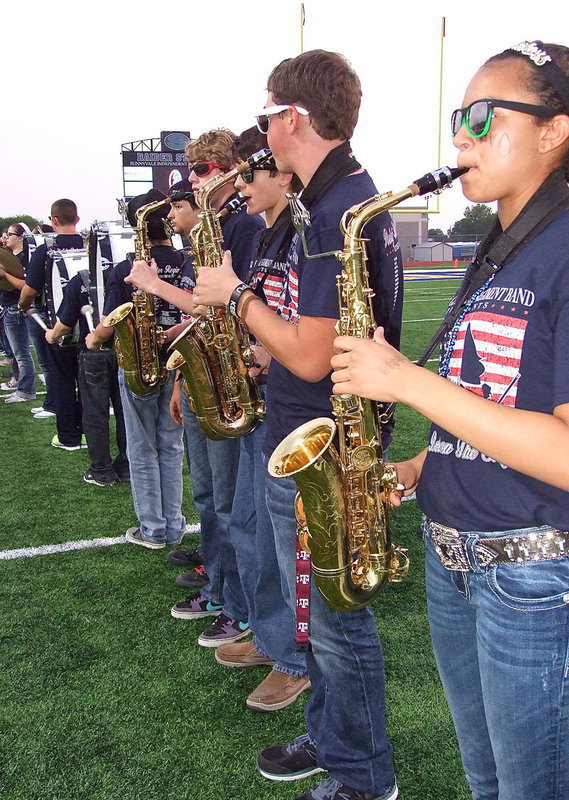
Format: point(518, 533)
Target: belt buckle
point(449, 546)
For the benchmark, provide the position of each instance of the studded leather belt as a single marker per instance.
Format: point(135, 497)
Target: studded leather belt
point(538, 544)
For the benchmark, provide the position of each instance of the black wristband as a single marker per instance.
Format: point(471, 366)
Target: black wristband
point(234, 299)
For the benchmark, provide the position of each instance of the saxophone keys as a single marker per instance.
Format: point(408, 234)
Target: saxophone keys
point(364, 457)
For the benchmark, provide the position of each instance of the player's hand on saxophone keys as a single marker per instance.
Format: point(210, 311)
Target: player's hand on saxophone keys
point(370, 368)
point(215, 285)
point(143, 276)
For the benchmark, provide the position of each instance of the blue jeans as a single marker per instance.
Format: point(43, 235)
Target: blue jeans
point(37, 338)
point(345, 715)
point(17, 333)
point(154, 448)
point(213, 471)
point(501, 640)
point(270, 617)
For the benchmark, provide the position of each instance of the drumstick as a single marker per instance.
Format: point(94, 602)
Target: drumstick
point(87, 311)
point(30, 312)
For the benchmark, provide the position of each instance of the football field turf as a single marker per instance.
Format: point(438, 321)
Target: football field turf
point(106, 697)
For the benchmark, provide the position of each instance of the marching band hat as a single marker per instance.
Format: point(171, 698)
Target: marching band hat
point(182, 190)
point(141, 200)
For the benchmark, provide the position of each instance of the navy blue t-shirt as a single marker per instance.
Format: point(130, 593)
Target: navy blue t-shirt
point(35, 276)
point(308, 288)
point(512, 347)
point(169, 264)
point(238, 229)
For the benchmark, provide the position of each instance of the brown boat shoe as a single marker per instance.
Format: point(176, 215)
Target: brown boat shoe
point(240, 654)
point(277, 691)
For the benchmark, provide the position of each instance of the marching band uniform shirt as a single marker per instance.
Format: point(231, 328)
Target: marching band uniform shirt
point(76, 296)
point(238, 229)
point(307, 287)
point(168, 263)
point(35, 276)
point(512, 347)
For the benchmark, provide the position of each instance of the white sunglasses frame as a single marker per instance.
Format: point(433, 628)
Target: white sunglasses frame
point(271, 110)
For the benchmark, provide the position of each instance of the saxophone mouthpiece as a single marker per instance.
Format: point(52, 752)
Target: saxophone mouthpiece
point(439, 179)
point(260, 157)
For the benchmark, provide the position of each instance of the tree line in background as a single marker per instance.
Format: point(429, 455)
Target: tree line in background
point(477, 220)
point(31, 222)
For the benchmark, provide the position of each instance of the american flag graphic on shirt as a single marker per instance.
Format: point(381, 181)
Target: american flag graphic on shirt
point(280, 287)
point(487, 353)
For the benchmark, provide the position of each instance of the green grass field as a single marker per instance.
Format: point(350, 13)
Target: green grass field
point(105, 696)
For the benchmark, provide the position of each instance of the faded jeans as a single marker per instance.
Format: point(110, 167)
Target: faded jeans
point(155, 450)
point(17, 332)
point(501, 640)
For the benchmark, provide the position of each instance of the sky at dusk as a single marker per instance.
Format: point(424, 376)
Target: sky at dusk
point(78, 85)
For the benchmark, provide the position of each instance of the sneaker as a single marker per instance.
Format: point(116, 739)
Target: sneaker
point(331, 789)
point(9, 386)
point(4, 362)
point(88, 477)
point(195, 579)
point(185, 558)
point(134, 536)
point(195, 607)
point(36, 410)
point(277, 691)
point(222, 631)
point(43, 414)
point(56, 443)
point(19, 397)
point(41, 376)
point(289, 762)
point(244, 654)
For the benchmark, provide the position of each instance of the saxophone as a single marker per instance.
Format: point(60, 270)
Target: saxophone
point(343, 495)
point(214, 352)
point(138, 337)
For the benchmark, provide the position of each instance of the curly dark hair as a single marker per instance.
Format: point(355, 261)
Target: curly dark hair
point(540, 86)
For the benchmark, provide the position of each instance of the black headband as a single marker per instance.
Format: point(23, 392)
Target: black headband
point(551, 71)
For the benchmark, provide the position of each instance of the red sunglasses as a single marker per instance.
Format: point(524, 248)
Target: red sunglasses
point(202, 168)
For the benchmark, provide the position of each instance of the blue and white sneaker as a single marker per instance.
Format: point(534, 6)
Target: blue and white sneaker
point(195, 607)
point(224, 631)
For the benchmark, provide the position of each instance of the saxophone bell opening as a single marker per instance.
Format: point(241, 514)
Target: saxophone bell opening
point(301, 448)
point(118, 314)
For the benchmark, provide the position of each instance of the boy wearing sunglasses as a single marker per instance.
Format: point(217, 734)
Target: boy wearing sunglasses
point(270, 618)
point(311, 111)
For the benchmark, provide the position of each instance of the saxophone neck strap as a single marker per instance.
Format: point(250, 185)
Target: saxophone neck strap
point(499, 247)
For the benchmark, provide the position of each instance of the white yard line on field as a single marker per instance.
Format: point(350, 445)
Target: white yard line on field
point(65, 547)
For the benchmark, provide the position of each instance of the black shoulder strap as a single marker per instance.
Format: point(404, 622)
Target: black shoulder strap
point(500, 246)
point(84, 277)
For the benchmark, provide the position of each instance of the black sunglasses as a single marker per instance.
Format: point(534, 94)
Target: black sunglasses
point(478, 115)
point(249, 174)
